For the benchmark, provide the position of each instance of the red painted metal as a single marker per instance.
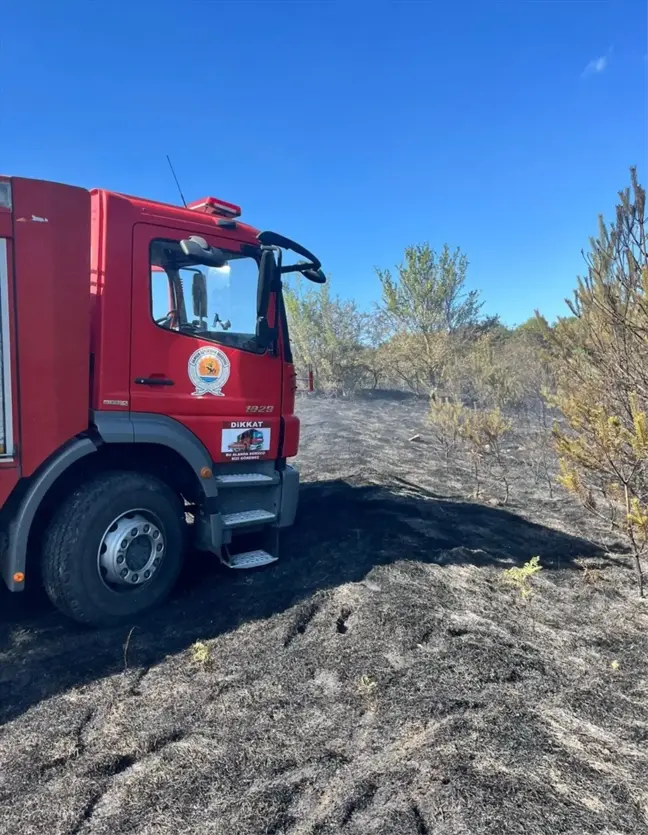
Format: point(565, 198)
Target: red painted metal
point(110, 288)
point(291, 435)
point(211, 205)
point(52, 339)
point(155, 351)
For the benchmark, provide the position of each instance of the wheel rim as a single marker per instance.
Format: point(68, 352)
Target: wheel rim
point(131, 550)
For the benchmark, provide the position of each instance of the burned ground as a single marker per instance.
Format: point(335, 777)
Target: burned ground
point(380, 679)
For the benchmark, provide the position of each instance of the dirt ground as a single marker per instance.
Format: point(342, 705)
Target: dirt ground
point(381, 678)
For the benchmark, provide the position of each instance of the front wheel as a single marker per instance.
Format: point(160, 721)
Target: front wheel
point(114, 549)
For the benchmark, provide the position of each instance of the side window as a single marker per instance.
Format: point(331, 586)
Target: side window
point(217, 303)
point(161, 296)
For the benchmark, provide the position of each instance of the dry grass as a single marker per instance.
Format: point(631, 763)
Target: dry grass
point(379, 679)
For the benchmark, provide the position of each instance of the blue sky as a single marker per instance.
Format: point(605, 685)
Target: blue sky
point(355, 128)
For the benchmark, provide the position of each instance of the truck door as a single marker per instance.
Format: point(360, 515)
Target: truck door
point(195, 353)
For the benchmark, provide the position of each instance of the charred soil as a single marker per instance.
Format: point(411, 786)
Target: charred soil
point(381, 678)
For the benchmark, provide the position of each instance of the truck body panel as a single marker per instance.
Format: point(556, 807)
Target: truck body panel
point(110, 288)
point(51, 231)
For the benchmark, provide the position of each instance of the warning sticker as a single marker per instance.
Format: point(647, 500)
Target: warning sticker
point(245, 440)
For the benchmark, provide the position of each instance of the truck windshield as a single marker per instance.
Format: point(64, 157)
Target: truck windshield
point(216, 303)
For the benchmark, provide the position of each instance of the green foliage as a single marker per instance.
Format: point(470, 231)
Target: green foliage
point(484, 431)
point(416, 361)
point(327, 333)
point(367, 685)
point(446, 419)
point(520, 576)
point(425, 300)
point(600, 358)
point(481, 433)
point(499, 368)
point(429, 296)
point(200, 653)
point(535, 331)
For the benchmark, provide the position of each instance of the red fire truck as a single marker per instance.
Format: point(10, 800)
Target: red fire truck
point(251, 439)
point(133, 336)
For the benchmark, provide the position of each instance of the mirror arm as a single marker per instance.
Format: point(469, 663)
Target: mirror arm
point(275, 240)
point(309, 271)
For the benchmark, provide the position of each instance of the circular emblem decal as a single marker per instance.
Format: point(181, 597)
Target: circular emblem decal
point(209, 370)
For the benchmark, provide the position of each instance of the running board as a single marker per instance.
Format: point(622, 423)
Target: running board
point(248, 517)
point(245, 479)
point(248, 559)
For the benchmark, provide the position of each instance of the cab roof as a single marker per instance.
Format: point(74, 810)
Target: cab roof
point(225, 225)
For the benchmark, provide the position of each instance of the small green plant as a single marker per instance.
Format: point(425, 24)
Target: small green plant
point(445, 418)
point(483, 431)
point(366, 685)
point(200, 653)
point(520, 576)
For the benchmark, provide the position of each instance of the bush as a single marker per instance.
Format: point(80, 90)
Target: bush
point(445, 419)
point(328, 335)
point(601, 364)
point(481, 433)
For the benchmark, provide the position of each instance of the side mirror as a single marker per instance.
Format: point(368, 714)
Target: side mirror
point(199, 294)
point(267, 274)
point(315, 275)
point(310, 268)
point(198, 248)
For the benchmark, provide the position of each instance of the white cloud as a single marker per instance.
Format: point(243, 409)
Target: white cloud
point(595, 67)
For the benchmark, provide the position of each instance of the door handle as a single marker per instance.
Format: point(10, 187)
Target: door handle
point(153, 381)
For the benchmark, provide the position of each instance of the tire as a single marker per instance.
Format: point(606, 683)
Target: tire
point(74, 576)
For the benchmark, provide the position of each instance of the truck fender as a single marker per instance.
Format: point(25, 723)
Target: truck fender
point(13, 565)
point(148, 428)
point(112, 427)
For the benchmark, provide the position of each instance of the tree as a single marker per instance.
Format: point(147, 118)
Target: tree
point(601, 363)
point(535, 331)
point(376, 353)
point(328, 334)
point(415, 362)
point(427, 301)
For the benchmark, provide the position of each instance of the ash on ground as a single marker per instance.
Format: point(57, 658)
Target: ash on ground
point(381, 678)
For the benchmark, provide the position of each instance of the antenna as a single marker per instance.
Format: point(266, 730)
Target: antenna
point(184, 202)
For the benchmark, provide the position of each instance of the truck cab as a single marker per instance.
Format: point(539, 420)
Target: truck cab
point(148, 393)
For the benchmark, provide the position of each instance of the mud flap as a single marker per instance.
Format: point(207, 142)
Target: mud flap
point(289, 497)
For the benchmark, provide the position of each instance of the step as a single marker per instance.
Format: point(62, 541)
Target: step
point(248, 559)
point(248, 517)
point(245, 479)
